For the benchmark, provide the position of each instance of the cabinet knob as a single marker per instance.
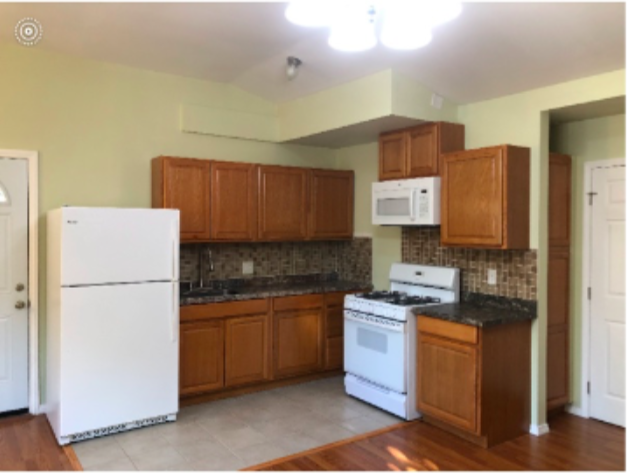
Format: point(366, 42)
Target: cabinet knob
point(20, 287)
point(20, 305)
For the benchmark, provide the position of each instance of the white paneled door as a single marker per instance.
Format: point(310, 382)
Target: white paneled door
point(13, 284)
point(607, 316)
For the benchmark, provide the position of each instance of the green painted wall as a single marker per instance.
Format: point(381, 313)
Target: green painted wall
point(386, 241)
point(523, 119)
point(585, 141)
point(97, 126)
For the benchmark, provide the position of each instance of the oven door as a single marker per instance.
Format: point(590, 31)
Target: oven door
point(374, 349)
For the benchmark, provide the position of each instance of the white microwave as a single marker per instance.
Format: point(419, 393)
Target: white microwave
point(406, 202)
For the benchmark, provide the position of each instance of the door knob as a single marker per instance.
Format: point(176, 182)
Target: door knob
point(20, 304)
point(19, 287)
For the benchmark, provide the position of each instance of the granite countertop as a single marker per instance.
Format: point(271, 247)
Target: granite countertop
point(245, 292)
point(482, 310)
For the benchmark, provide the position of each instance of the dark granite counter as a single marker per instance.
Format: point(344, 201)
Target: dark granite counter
point(262, 288)
point(482, 310)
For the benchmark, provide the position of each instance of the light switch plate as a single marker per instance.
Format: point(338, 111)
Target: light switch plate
point(248, 267)
point(492, 277)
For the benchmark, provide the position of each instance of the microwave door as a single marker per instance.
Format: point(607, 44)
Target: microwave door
point(394, 207)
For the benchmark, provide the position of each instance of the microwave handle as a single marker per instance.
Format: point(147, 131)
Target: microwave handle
point(412, 201)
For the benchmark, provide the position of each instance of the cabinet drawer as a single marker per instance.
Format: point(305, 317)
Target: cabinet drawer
point(310, 301)
point(450, 330)
point(223, 309)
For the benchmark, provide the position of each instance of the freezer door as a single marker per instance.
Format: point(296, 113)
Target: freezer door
point(119, 355)
point(109, 246)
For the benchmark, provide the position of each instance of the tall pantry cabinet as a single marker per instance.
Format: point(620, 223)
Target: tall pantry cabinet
point(558, 346)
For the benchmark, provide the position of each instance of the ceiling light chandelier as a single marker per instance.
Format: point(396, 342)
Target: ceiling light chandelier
point(354, 24)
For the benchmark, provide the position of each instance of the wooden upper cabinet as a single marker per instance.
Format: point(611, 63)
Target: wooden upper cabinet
point(416, 152)
point(202, 357)
point(184, 184)
point(392, 156)
point(332, 194)
point(560, 178)
point(233, 201)
point(283, 202)
point(485, 198)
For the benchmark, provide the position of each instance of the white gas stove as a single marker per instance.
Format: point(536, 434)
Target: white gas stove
point(380, 335)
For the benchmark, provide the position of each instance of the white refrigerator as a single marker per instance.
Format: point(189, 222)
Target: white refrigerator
point(112, 320)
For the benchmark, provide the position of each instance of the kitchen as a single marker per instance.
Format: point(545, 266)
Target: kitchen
point(308, 225)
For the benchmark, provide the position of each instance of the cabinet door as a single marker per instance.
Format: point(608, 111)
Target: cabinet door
point(334, 330)
point(247, 350)
point(298, 340)
point(184, 184)
point(202, 357)
point(558, 286)
point(332, 207)
point(472, 198)
point(282, 203)
point(392, 156)
point(557, 376)
point(447, 381)
point(233, 201)
point(422, 151)
point(559, 199)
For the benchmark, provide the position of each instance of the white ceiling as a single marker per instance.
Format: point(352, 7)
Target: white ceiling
point(491, 50)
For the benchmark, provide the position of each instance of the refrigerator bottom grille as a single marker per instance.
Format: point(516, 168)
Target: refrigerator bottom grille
point(114, 429)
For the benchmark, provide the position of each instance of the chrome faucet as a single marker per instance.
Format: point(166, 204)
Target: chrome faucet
point(201, 264)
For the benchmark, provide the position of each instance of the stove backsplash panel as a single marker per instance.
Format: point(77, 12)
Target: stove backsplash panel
point(516, 269)
point(352, 260)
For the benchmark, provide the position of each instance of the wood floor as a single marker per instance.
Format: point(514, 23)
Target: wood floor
point(27, 443)
point(572, 444)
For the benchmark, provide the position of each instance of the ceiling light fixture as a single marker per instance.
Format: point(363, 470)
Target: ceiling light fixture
point(293, 63)
point(354, 24)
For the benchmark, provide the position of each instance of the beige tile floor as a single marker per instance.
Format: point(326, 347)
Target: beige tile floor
point(239, 432)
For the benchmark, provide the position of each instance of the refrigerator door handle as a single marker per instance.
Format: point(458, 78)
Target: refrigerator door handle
point(175, 313)
point(175, 253)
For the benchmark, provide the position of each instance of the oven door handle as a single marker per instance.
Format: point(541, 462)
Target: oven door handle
point(393, 326)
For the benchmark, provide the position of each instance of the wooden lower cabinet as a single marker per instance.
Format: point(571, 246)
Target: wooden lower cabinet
point(230, 346)
point(475, 382)
point(202, 357)
point(448, 381)
point(298, 336)
point(247, 350)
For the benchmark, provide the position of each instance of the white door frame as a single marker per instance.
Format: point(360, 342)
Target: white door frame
point(584, 411)
point(32, 158)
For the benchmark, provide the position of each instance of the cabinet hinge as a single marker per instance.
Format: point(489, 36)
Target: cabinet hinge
point(589, 293)
point(588, 387)
point(591, 196)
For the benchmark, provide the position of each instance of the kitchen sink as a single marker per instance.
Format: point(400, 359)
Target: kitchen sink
point(209, 292)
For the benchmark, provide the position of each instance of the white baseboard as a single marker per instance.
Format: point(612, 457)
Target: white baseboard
point(41, 409)
point(577, 411)
point(539, 429)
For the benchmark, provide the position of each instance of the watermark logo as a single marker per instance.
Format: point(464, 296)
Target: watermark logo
point(28, 31)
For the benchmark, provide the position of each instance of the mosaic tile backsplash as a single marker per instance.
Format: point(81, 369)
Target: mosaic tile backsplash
point(516, 269)
point(351, 260)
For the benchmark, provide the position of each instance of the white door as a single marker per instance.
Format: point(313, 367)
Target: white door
point(607, 316)
point(13, 284)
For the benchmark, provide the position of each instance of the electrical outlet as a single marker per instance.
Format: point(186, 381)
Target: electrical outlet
point(248, 267)
point(492, 277)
